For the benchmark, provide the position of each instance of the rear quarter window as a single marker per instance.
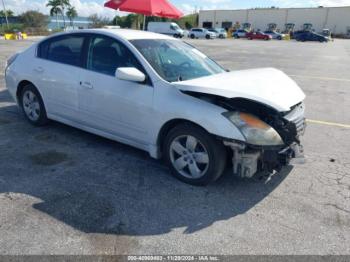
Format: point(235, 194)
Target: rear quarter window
point(42, 49)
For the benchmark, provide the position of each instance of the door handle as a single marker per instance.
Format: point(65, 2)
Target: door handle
point(39, 69)
point(87, 85)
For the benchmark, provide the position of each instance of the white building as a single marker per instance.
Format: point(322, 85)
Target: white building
point(337, 19)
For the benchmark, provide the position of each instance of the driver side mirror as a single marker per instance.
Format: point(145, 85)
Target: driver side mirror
point(130, 74)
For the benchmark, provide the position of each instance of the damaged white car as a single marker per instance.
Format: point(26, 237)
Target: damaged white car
point(164, 96)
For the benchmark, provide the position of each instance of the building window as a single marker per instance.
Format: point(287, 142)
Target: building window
point(207, 24)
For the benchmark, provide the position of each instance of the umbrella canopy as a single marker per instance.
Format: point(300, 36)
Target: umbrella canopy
point(160, 8)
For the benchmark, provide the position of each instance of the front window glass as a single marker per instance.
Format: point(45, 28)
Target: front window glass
point(106, 55)
point(175, 60)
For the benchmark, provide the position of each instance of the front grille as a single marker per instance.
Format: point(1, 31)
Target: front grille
point(296, 115)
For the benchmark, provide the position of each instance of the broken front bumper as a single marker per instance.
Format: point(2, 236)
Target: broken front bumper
point(247, 160)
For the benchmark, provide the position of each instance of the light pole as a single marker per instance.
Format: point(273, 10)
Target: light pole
point(7, 21)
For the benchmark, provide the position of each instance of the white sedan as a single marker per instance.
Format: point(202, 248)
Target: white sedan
point(201, 33)
point(163, 96)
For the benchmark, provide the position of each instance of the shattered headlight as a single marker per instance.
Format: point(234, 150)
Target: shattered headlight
point(255, 131)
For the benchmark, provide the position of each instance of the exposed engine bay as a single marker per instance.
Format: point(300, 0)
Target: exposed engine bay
point(249, 159)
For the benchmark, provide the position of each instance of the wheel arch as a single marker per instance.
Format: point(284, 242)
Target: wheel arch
point(165, 129)
point(20, 87)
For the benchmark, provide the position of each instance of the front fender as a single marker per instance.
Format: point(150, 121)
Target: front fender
point(188, 108)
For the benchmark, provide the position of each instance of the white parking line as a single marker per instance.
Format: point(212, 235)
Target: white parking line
point(327, 123)
point(322, 78)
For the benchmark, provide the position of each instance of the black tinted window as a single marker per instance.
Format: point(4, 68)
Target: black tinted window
point(67, 50)
point(106, 55)
point(42, 49)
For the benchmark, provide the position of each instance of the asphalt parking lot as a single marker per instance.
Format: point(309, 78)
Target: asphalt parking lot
point(64, 191)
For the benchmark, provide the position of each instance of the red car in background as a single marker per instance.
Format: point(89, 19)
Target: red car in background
point(258, 35)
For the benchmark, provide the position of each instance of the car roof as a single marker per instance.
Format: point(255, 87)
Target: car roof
point(127, 34)
point(130, 34)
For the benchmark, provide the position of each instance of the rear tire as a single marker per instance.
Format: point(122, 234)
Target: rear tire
point(192, 36)
point(32, 106)
point(194, 156)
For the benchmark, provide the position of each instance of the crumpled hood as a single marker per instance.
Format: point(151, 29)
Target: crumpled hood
point(267, 85)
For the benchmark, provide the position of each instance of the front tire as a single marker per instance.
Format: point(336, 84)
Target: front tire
point(192, 36)
point(207, 36)
point(32, 106)
point(194, 156)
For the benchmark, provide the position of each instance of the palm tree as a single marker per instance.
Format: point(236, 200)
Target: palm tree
point(63, 5)
point(55, 9)
point(8, 13)
point(71, 14)
point(58, 7)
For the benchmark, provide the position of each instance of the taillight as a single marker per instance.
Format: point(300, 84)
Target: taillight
point(11, 60)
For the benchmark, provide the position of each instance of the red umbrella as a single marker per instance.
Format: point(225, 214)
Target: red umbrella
point(160, 8)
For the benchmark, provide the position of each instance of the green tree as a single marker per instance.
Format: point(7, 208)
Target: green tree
point(34, 19)
point(188, 25)
point(55, 9)
point(128, 21)
point(8, 13)
point(58, 7)
point(63, 5)
point(71, 14)
point(98, 21)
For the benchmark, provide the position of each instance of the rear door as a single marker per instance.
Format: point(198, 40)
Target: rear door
point(58, 69)
point(119, 107)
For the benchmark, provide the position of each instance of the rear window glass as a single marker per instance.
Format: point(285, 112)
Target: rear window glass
point(67, 49)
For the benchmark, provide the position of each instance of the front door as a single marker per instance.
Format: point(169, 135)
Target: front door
point(121, 108)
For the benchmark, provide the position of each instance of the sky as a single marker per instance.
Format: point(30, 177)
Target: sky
point(88, 7)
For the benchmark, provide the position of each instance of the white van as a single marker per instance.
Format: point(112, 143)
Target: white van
point(167, 28)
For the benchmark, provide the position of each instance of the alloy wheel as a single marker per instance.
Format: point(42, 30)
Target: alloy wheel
point(31, 105)
point(189, 156)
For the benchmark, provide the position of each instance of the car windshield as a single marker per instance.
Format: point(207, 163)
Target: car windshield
point(174, 27)
point(175, 60)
